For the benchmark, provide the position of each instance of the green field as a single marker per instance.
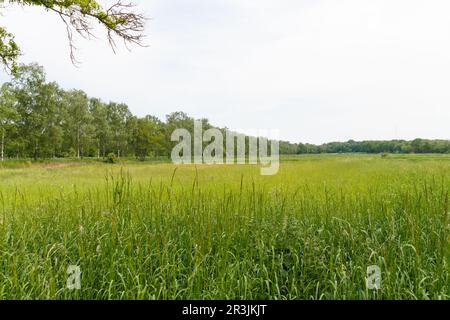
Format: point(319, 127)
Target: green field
point(157, 231)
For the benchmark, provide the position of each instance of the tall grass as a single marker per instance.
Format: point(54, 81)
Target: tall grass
point(224, 232)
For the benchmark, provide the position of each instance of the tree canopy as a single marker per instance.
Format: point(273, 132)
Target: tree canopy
point(39, 119)
point(119, 20)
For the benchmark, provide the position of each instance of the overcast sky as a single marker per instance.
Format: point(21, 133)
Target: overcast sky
point(317, 71)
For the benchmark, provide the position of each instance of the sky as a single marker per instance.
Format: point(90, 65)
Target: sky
point(314, 70)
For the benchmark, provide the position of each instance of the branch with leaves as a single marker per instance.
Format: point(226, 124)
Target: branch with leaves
point(120, 21)
point(9, 50)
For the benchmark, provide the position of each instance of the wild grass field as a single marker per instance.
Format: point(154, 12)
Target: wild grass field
point(158, 231)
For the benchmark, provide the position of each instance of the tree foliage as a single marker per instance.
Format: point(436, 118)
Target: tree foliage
point(391, 146)
point(39, 119)
point(119, 20)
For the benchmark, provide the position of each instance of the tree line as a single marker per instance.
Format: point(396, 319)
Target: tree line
point(39, 119)
point(375, 146)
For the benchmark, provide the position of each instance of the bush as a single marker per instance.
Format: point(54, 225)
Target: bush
point(111, 158)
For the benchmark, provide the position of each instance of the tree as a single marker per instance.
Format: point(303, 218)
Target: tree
point(177, 120)
point(118, 114)
point(8, 114)
point(102, 132)
point(140, 138)
point(157, 138)
point(148, 137)
point(79, 121)
point(27, 84)
point(49, 109)
point(119, 21)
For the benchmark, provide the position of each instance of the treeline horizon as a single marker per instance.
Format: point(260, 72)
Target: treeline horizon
point(40, 120)
point(369, 146)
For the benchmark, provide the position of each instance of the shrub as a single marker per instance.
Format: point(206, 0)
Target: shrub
point(111, 158)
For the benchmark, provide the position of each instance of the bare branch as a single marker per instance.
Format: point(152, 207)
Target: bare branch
point(120, 21)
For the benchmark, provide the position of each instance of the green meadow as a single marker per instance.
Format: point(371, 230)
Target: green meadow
point(141, 230)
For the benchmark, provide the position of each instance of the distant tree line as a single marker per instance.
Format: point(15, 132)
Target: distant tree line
point(391, 146)
point(39, 119)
